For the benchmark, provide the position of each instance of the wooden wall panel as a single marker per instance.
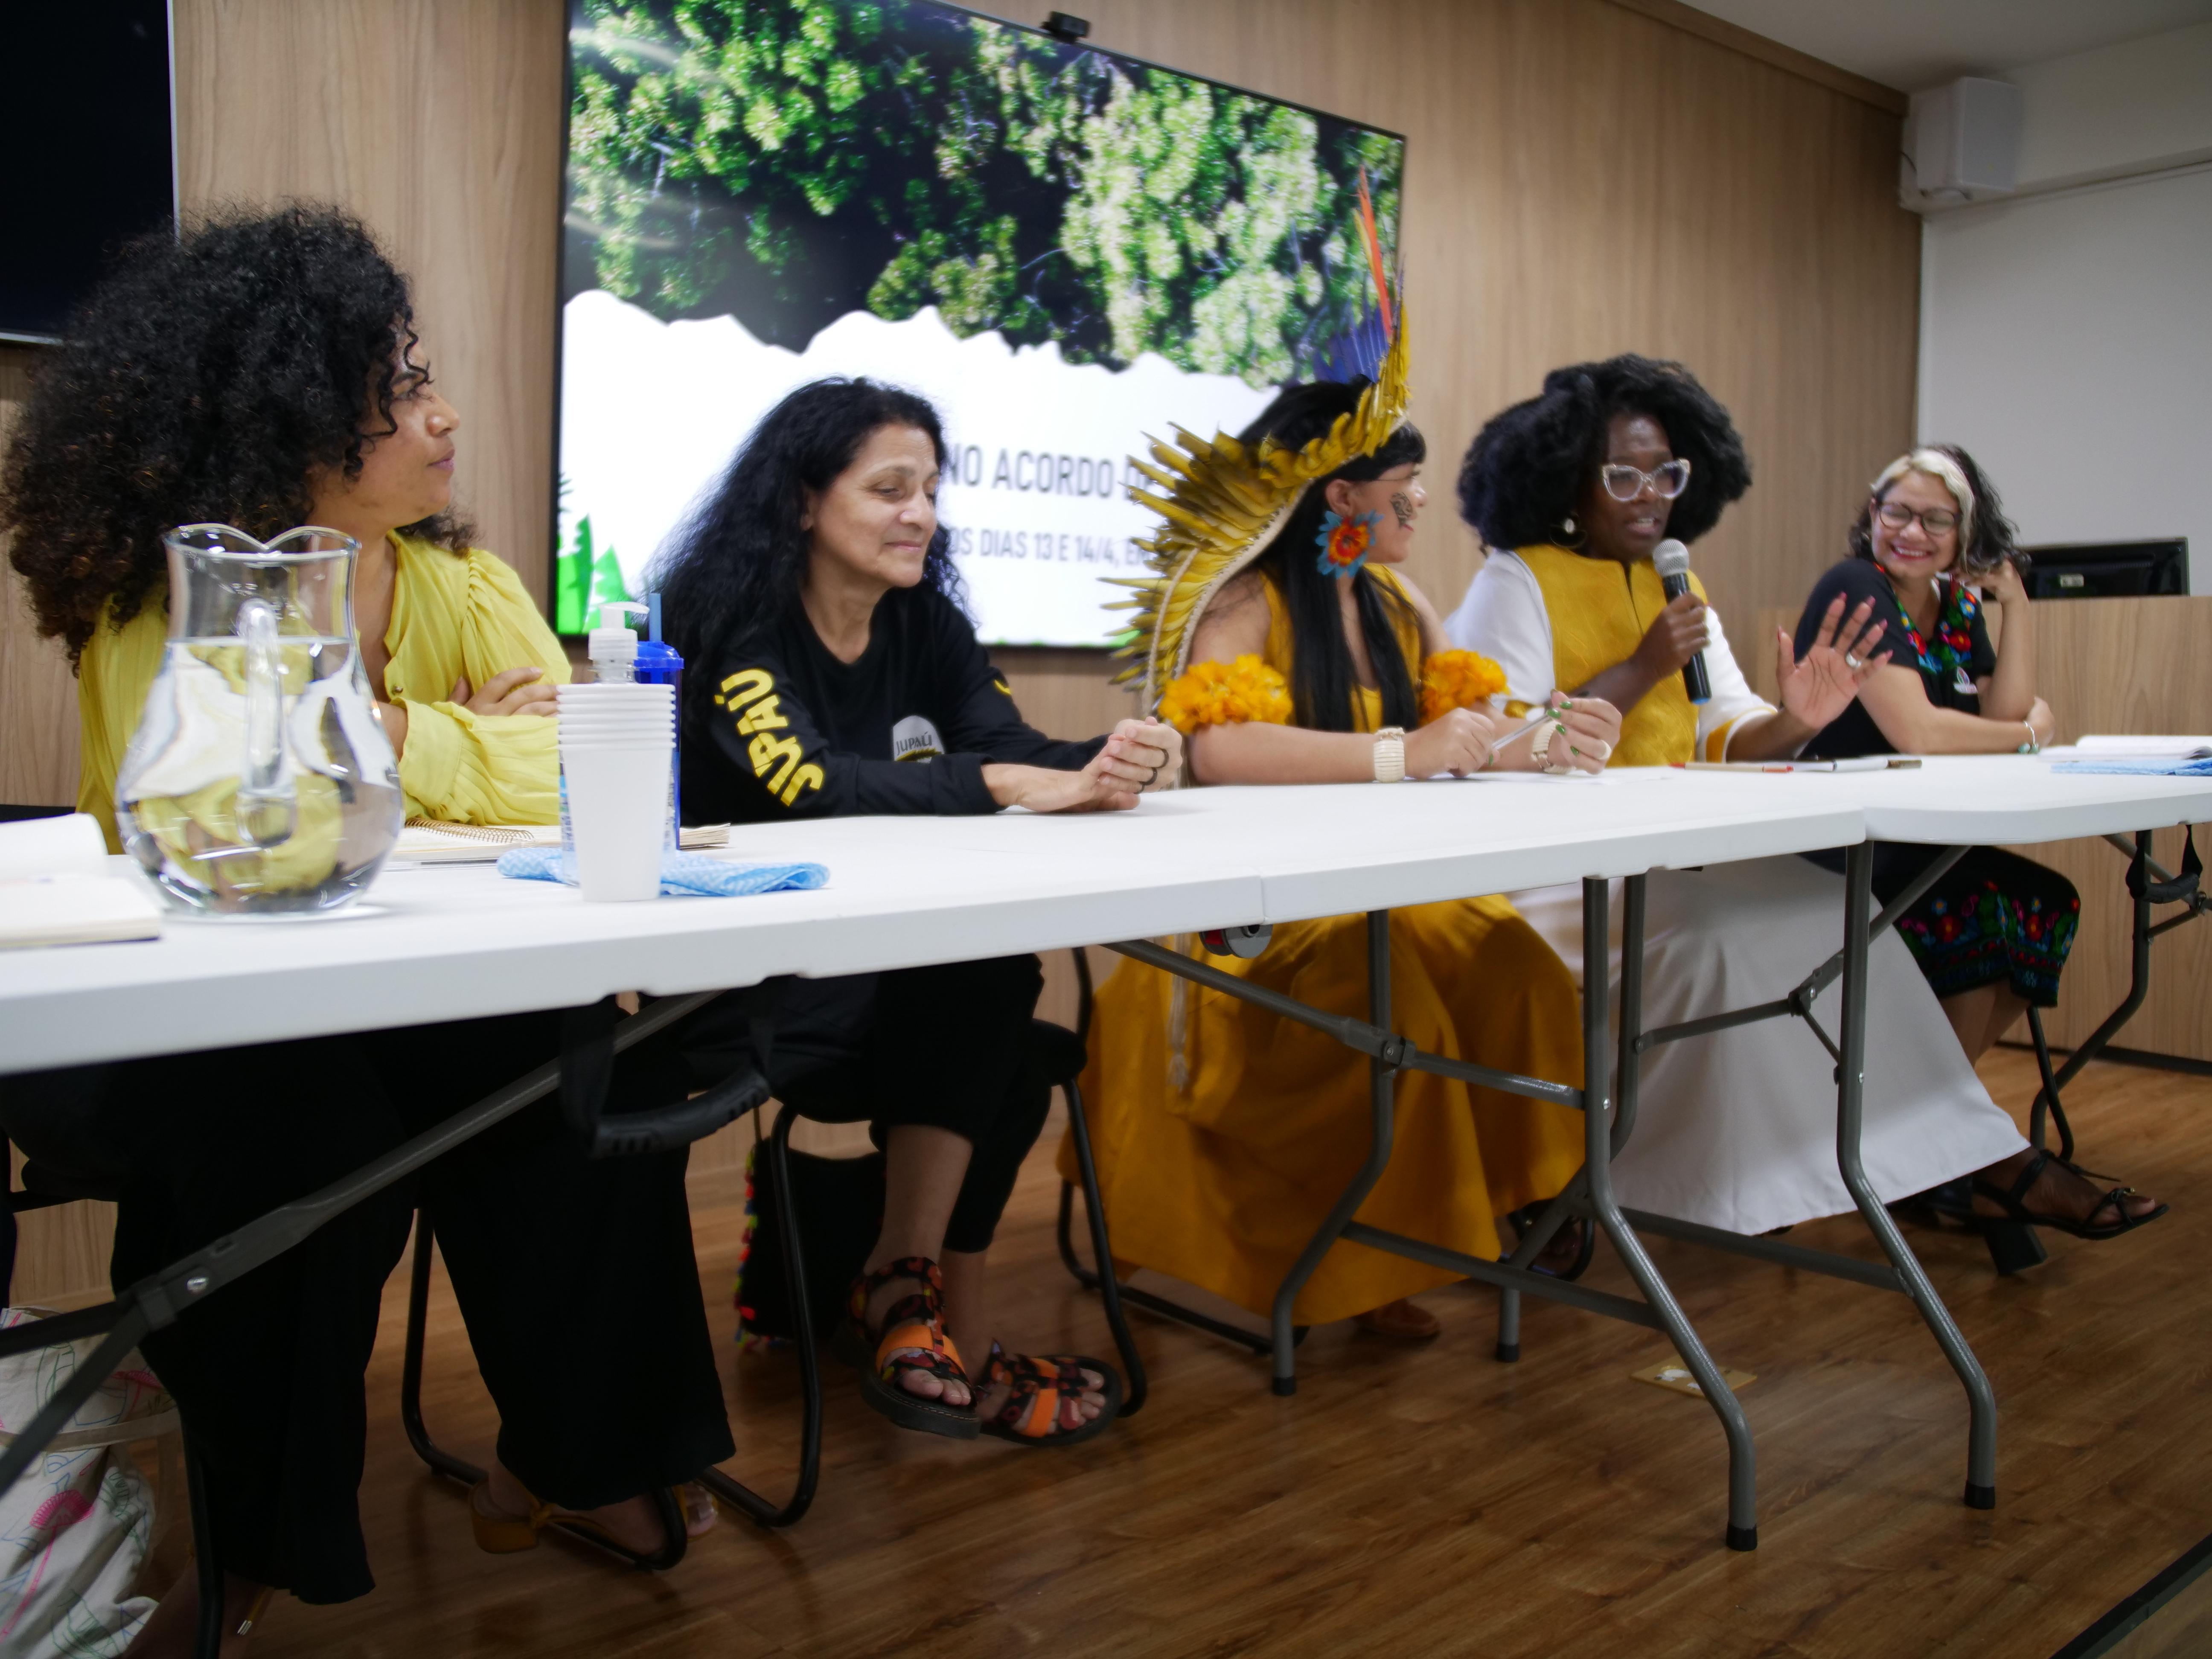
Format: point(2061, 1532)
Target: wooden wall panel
point(2119, 666)
point(38, 698)
point(439, 122)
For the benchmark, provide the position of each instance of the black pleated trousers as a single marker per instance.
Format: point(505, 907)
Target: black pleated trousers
point(576, 1276)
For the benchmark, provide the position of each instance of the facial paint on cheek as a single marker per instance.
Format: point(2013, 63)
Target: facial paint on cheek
point(1402, 505)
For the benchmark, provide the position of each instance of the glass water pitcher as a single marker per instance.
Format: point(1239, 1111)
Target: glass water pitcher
point(259, 781)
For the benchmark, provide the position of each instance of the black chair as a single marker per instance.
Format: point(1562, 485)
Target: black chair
point(1057, 1057)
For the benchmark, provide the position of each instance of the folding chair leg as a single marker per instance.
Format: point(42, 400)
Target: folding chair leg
point(736, 1492)
point(205, 1560)
point(410, 1373)
point(1110, 1292)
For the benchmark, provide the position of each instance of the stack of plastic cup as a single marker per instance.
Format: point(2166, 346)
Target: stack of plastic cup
point(617, 744)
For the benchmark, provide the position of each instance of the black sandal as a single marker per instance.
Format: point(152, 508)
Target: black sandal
point(1528, 1215)
point(2011, 1237)
point(912, 1339)
point(2116, 1199)
point(1036, 1384)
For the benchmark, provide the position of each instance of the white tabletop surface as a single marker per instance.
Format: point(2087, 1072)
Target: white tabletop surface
point(459, 942)
point(1984, 800)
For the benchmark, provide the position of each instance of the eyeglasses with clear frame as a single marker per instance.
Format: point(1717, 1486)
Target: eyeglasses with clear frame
point(1624, 484)
point(1935, 520)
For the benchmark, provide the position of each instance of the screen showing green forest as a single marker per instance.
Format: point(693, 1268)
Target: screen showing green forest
point(1064, 249)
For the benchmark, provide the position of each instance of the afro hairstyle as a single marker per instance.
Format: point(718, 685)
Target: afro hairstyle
point(1526, 470)
point(206, 377)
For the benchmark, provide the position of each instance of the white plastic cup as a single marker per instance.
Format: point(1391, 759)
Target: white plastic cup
point(617, 794)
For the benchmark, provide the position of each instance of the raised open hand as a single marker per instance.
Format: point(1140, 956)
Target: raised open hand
point(1820, 686)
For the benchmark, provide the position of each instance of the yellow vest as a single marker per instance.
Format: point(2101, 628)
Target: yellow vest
point(1599, 612)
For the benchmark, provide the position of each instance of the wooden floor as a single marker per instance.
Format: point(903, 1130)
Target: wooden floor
point(1428, 1501)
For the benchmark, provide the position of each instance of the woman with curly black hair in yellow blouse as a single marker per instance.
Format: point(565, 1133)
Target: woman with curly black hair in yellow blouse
point(262, 370)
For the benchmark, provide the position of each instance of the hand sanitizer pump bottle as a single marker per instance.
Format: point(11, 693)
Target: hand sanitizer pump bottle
point(658, 664)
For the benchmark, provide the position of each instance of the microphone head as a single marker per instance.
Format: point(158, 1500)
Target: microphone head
point(1671, 558)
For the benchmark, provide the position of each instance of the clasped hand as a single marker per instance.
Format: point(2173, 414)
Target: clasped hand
point(1465, 741)
point(1139, 756)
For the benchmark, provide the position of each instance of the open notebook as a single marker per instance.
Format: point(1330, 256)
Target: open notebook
point(2134, 748)
point(427, 840)
point(58, 887)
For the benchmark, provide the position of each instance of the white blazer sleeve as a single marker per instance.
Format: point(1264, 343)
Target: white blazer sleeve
point(1733, 699)
point(1504, 616)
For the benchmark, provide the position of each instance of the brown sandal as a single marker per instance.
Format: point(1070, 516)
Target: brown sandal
point(1400, 1322)
point(1037, 1386)
point(912, 1339)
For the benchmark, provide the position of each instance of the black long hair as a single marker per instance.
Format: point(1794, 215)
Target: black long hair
point(1992, 542)
point(204, 378)
point(1321, 688)
point(1525, 473)
point(735, 567)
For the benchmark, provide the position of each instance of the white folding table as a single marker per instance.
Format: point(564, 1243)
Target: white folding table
point(446, 943)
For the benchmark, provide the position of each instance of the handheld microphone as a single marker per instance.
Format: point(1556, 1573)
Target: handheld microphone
point(1671, 561)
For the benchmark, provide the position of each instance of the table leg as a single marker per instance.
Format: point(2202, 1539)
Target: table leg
point(1597, 1170)
point(2089, 1047)
point(1381, 1082)
point(1573, 1198)
point(1850, 1101)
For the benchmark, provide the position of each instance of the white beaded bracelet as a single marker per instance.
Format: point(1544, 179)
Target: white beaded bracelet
point(1390, 754)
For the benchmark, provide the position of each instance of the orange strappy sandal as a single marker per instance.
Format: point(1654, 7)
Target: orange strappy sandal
point(1041, 1389)
point(912, 1339)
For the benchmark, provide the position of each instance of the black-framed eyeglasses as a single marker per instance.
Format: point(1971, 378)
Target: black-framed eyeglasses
point(1624, 484)
point(1935, 520)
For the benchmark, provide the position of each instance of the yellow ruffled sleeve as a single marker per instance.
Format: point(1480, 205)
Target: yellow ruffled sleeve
point(117, 669)
point(469, 615)
point(1226, 694)
point(1457, 679)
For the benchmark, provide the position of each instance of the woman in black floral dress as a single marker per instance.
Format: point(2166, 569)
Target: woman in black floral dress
point(1992, 934)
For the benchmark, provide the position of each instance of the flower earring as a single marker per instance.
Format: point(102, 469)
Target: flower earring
point(1344, 543)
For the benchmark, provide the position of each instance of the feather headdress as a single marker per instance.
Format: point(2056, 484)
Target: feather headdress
point(1222, 503)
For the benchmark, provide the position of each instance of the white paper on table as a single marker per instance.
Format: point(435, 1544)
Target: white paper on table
point(56, 887)
point(2134, 748)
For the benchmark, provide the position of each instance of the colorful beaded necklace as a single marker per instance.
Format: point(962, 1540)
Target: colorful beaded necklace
point(1953, 648)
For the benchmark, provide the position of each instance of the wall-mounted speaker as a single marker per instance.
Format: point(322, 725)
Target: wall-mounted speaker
point(1961, 145)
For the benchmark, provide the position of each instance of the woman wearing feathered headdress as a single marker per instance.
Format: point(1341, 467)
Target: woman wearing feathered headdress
point(1280, 635)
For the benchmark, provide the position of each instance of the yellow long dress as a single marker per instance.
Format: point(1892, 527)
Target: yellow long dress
point(452, 614)
point(1222, 1183)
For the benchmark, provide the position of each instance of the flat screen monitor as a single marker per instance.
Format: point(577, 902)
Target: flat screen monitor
point(1064, 249)
point(2100, 570)
point(93, 157)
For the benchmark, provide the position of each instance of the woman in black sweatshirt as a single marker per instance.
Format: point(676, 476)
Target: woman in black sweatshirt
point(832, 672)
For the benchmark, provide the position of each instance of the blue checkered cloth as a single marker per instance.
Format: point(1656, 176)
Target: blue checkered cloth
point(684, 875)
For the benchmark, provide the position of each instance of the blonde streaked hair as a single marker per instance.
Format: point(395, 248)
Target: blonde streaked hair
point(1946, 472)
point(1985, 535)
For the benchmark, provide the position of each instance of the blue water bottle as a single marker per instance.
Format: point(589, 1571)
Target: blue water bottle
point(658, 665)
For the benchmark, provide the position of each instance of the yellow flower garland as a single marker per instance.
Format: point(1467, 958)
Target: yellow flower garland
point(1457, 679)
point(1212, 694)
